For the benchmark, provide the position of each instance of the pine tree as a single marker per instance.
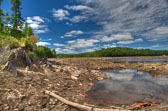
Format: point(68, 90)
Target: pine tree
point(25, 30)
point(1, 18)
point(17, 20)
point(7, 19)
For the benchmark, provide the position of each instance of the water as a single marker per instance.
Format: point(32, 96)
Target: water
point(142, 60)
point(128, 86)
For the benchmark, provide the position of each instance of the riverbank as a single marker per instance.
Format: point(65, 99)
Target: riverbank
point(68, 78)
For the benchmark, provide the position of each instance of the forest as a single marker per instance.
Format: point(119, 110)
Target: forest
point(117, 52)
point(15, 32)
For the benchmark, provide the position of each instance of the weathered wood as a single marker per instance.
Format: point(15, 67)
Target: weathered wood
point(79, 106)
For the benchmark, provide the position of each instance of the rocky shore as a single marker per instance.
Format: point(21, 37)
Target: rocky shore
point(23, 81)
point(22, 87)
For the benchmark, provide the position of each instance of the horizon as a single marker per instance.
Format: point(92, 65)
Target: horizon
point(80, 26)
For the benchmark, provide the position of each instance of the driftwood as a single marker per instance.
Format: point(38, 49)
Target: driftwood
point(78, 106)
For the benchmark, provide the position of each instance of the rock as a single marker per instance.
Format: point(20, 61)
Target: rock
point(10, 68)
point(74, 77)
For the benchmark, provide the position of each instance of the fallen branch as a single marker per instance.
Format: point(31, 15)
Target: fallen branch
point(79, 106)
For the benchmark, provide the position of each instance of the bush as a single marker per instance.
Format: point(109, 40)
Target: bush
point(31, 54)
point(11, 42)
point(23, 42)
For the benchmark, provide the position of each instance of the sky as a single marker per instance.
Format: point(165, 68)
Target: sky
point(78, 26)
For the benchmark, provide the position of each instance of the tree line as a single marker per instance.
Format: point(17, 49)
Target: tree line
point(117, 52)
point(15, 32)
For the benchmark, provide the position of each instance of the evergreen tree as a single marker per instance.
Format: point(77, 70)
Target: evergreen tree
point(17, 20)
point(7, 19)
point(25, 30)
point(30, 32)
point(1, 18)
point(1, 21)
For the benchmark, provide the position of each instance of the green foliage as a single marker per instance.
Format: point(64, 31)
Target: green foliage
point(1, 21)
point(16, 33)
point(11, 41)
point(27, 31)
point(32, 55)
point(29, 46)
point(43, 51)
point(17, 20)
point(118, 52)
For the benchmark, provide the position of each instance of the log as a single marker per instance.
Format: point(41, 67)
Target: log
point(78, 106)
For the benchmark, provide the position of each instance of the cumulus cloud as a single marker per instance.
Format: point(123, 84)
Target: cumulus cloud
point(73, 33)
point(159, 33)
point(65, 51)
point(130, 41)
point(60, 14)
point(122, 36)
point(43, 43)
point(38, 24)
point(60, 45)
point(109, 46)
point(82, 43)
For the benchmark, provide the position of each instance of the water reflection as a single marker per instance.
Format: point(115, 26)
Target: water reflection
point(128, 86)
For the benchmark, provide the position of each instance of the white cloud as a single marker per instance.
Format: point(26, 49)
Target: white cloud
point(49, 39)
point(133, 16)
point(60, 45)
point(73, 33)
point(78, 7)
point(82, 43)
point(159, 33)
point(122, 36)
point(71, 42)
point(43, 43)
point(130, 41)
point(65, 51)
point(60, 14)
point(109, 46)
point(79, 18)
point(38, 24)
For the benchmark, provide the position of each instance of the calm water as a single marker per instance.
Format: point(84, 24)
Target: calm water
point(142, 60)
point(128, 86)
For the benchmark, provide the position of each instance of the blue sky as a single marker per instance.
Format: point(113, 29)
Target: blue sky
point(77, 26)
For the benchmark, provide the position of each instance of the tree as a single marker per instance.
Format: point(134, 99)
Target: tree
point(27, 31)
point(1, 18)
point(17, 20)
point(1, 21)
point(7, 19)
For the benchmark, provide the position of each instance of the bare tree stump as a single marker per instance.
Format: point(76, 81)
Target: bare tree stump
point(10, 68)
